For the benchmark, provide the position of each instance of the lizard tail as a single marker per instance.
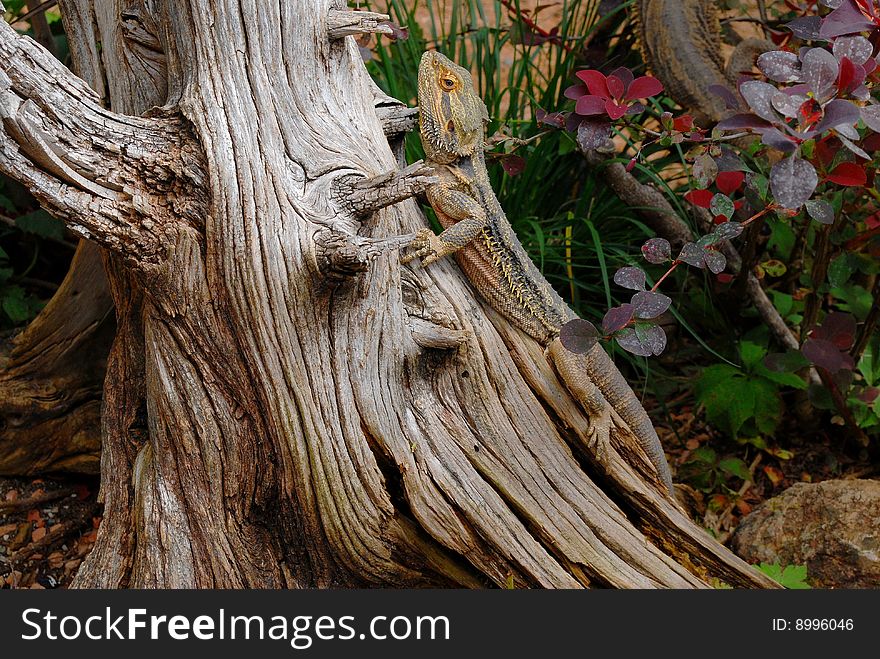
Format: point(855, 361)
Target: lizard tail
point(596, 383)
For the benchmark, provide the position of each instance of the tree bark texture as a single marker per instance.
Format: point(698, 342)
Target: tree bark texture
point(287, 405)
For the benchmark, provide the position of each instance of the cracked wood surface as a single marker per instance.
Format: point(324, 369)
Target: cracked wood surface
point(296, 432)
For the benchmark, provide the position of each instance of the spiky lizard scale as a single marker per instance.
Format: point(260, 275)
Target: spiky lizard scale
point(452, 119)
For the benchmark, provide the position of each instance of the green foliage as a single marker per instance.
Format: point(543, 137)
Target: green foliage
point(40, 223)
point(747, 396)
point(16, 305)
point(793, 577)
point(707, 471)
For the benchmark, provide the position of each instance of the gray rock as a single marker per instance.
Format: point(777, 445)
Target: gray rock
point(833, 527)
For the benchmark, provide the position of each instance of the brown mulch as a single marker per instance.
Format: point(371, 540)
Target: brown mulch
point(47, 526)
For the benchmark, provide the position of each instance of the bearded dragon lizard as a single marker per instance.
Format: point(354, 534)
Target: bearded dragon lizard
point(452, 120)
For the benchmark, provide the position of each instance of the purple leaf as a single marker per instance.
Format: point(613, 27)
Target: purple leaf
point(806, 28)
point(729, 161)
point(576, 91)
point(857, 49)
point(820, 210)
point(578, 336)
point(759, 96)
point(780, 66)
point(624, 74)
point(728, 230)
point(648, 304)
point(839, 328)
point(592, 134)
point(825, 354)
point(398, 33)
point(785, 362)
point(729, 98)
point(657, 250)
point(630, 277)
point(645, 343)
point(792, 181)
point(852, 147)
point(513, 165)
point(715, 261)
point(692, 254)
point(777, 140)
point(831, 4)
point(617, 318)
point(838, 113)
point(846, 19)
point(820, 70)
point(590, 105)
point(788, 104)
point(741, 121)
point(704, 170)
point(555, 119)
point(870, 114)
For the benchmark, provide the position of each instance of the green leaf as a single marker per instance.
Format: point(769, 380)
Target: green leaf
point(735, 467)
point(783, 302)
point(858, 301)
point(728, 396)
point(782, 237)
point(15, 305)
point(869, 362)
point(785, 379)
point(768, 406)
point(793, 577)
point(840, 270)
point(751, 354)
point(721, 204)
point(703, 454)
point(42, 224)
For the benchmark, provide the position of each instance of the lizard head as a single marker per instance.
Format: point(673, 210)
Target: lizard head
point(451, 115)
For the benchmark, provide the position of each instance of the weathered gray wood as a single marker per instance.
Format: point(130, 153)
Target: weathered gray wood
point(297, 430)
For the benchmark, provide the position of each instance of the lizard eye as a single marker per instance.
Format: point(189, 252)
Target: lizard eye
point(447, 83)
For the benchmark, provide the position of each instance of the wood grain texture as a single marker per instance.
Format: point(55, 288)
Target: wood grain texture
point(295, 431)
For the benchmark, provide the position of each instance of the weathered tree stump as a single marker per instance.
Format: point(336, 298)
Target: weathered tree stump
point(286, 404)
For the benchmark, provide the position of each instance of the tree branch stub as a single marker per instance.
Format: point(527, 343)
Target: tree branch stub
point(346, 23)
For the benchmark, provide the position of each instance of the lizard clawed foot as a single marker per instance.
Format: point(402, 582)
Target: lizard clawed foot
point(428, 247)
point(600, 435)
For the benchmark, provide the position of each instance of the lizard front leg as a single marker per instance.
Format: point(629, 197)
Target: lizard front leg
point(452, 206)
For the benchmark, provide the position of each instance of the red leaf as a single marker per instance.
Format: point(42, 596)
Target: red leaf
point(513, 165)
point(615, 86)
point(595, 82)
point(724, 278)
point(701, 198)
point(847, 74)
point(809, 112)
point(826, 150)
point(614, 110)
point(643, 88)
point(848, 173)
point(871, 143)
point(683, 123)
point(590, 104)
point(729, 182)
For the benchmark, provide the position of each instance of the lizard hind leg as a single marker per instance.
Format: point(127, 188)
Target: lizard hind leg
point(593, 390)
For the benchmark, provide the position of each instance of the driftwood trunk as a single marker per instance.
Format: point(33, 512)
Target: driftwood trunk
point(286, 405)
